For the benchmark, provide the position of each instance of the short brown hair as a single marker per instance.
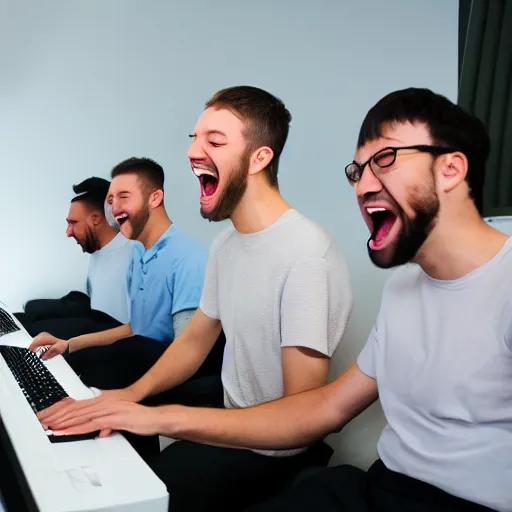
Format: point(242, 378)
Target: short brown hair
point(147, 170)
point(268, 119)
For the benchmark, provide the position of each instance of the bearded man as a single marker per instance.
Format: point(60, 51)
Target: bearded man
point(165, 282)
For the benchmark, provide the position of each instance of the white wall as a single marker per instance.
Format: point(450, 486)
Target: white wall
point(85, 84)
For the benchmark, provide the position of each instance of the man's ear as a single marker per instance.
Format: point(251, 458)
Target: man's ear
point(156, 199)
point(452, 171)
point(260, 159)
point(95, 218)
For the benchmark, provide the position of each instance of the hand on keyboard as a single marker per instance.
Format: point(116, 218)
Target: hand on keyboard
point(49, 346)
point(72, 417)
point(66, 410)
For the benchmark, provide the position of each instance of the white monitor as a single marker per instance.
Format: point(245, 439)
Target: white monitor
point(502, 223)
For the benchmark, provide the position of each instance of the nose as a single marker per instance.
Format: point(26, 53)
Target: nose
point(195, 151)
point(368, 183)
point(69, 231)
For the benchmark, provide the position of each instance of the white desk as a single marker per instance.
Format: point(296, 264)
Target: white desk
point(93, 475)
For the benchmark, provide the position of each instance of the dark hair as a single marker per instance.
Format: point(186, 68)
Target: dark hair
point(147, 170)
point(92, 191)
point(449, 126)
point(268, 119)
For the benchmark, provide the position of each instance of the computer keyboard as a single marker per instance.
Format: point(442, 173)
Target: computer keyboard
point(7, 323)
point(40, 387)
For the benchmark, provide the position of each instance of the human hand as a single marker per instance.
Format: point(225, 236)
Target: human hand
point(105, 416)
point(54, 346)
point(66, 410)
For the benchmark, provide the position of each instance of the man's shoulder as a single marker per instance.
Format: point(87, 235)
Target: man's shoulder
point(223, 239)
point(306, 239)
point(183, 243)
point(402, 279)
point(182, 254)
point(121, 244)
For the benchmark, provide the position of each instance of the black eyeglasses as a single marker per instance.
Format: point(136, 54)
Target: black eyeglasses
point(386, 158)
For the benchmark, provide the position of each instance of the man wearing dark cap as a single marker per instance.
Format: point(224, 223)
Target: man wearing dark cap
point(106, 304)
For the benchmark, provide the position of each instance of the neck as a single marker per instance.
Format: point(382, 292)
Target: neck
point(260, 207)
point(105, 234)
point(459, 245)
point(155, 227)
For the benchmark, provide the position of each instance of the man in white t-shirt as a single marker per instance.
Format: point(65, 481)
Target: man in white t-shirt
point(106, 304)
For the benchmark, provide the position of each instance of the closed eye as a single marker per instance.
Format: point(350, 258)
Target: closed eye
point(215, 144)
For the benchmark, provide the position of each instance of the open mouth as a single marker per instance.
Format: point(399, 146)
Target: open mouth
point(208, 179)
point(382, 223)
point(121, 218)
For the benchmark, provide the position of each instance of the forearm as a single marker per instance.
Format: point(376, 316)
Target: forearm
point(97, 339)
point(291, 422)
point(177, 364)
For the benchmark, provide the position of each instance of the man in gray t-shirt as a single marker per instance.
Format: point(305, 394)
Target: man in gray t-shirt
point(284, 286)
point(275, 284)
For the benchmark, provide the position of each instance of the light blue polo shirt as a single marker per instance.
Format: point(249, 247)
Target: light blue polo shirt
point(164, 280)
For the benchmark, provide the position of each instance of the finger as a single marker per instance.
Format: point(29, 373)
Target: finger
point(105, 415)
point(68, 410)
point(106, 432)
point(51, 352)
point(103, 423)
point(49, 411)
point(67, 406)
point(77, 418)
point(38, 343)
point(84, 428)
point(78, 415)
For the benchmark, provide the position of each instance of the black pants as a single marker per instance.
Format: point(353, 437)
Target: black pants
point(204, 478)
point(64, 318)
point(348, 489)
point(118, 365)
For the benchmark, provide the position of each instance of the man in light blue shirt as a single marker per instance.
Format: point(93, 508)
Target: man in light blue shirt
point(110, 251)
point(165, 282)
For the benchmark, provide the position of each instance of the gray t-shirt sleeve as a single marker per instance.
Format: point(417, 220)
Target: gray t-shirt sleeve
point(508, 333)
point(315, 306)
point(366, 359)
point(209, 298)
point(180, 320)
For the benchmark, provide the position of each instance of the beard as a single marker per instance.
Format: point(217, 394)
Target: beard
point(232, 194)
point(138, 221)
point(90, 243)
point(414, 231)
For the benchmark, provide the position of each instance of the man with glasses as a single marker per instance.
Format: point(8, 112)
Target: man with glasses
point(440, 353)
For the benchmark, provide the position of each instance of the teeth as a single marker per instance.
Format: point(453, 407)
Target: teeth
point(122, 216)
point(200, 172)
point(374, 210)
